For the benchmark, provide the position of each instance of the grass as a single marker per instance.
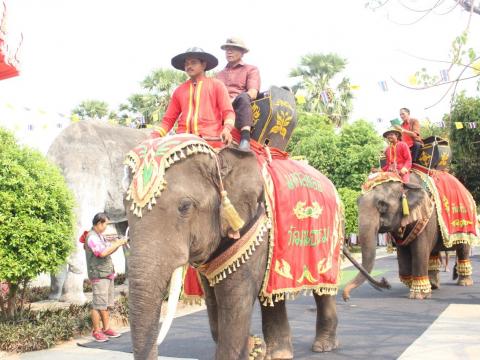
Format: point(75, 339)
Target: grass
point(348, 275)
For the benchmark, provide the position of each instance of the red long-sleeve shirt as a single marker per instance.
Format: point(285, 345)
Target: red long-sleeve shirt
point(201, 109)
point(398, 157)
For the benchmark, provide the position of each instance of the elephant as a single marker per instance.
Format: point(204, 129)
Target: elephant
point(90, 155)
point(188, 224)
point(380, 211)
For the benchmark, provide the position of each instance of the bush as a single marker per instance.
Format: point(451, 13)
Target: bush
point(36, 218)
point(349, 198)
point(43, 329)
point(465, 143)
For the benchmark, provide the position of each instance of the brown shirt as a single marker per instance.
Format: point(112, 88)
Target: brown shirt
point(240, 78)
point(414, 126)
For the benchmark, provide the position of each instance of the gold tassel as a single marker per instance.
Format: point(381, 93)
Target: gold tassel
point(406, 210)
point(230, 214)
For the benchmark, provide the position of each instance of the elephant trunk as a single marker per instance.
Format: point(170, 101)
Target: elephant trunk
point(368, 228)
point(148, 285)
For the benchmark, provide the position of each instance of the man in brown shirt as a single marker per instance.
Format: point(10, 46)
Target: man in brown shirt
point(243, 84)
point(410, 129)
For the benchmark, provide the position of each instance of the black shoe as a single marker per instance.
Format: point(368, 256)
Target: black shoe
point(244, 145)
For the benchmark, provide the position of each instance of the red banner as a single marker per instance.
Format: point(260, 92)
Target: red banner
point(456, 209)
point(307, 232)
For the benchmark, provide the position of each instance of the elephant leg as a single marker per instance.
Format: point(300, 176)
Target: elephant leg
point(276, 331)
point(420, 249)
point(235, 297)
point(404, 258)
point(212, 309)
point(434, 264)
point(121, 228)
point(464, 266)
point(326, 332)
point(57, 281)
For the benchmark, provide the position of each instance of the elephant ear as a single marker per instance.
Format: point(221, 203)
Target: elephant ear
point(242, 181)
point(420, 204)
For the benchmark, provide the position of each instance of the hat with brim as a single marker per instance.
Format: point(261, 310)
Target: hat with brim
point(235, 43)
point(178, 62)
point(394, 131)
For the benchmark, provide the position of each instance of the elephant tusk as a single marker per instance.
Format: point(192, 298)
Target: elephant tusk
point(173, 296)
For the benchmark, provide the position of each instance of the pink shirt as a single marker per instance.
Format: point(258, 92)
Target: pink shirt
point(97, 243)
point(240, 78)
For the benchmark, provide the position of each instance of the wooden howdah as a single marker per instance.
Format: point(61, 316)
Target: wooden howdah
point(274, 117)
point(435, 154)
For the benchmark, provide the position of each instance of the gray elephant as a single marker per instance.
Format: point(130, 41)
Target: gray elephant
point(90, 155)
point(186, 219)
point(418, 236)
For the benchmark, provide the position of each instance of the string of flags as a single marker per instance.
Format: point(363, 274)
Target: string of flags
point(441, 124)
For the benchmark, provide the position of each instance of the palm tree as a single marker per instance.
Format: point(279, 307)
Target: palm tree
point(159, 86)
point(91, 109)
point(316, 72)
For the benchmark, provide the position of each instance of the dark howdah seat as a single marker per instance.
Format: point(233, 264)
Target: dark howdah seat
point(435, 154)
point(274, 117)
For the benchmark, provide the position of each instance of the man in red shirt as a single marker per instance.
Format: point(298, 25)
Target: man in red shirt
point(201, 105)
point(411, 133)
point(243, 84)
point(399, 159)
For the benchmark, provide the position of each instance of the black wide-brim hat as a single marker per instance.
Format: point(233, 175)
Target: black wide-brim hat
point(178, 62)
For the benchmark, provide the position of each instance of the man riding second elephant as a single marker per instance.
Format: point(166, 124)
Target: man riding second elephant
point(243, 84)
point(399, 159)
point(201, 104)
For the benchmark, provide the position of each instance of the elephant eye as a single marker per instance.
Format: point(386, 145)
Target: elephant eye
point(185, 206)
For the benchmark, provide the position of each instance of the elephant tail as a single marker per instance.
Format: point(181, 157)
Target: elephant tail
point(377, 285)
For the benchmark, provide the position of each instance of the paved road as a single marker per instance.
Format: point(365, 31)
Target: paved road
point(373, 325)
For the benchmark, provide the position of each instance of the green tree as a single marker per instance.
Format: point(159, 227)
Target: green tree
point(158, 87)
point(465, 143)
point(317, 72)
point(36, 218)
point(349, 198)
point(344, 156)
point(91, 109)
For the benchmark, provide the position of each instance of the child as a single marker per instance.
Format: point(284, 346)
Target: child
point(101, 274)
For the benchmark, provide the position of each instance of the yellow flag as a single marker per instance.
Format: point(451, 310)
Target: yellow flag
point(476, 67)
point(300, 99)
point(75, 118)
point(354, 87)
point(458, 125)
point(412, 80)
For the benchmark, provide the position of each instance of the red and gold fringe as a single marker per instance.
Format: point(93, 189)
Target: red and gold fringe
point(464, 267)
point(434, 263)
point(407, 280)
point(421, 284)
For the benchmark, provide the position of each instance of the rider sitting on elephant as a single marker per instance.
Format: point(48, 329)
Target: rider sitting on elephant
point(243, 84)
point(201, 105)
point(399, 159)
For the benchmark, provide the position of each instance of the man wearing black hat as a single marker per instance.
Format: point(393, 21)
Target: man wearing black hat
point(201, 105)
point(243, 84)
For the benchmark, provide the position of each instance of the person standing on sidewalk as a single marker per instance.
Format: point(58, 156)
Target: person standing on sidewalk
point(101, 274)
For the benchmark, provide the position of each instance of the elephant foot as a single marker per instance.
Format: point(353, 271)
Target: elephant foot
point(465, 281)
point(419, 295)
point(257, 349)
point(279, 354)
point(434, 277)
point(325, 344)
